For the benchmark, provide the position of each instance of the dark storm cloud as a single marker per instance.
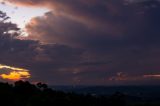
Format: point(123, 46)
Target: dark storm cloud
point(117, 22)
point(44, 60)
point(92, 41)
point(47, 62)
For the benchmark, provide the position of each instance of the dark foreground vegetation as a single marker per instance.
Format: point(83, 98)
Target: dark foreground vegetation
point(22, 93)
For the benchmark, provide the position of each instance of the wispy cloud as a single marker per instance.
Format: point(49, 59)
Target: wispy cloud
point(152, 76)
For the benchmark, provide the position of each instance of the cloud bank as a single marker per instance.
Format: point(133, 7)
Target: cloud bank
point(90, 42)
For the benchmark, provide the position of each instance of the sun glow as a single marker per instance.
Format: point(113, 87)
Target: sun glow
point(15, 73)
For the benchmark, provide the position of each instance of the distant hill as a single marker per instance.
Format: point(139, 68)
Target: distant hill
point(140, 91)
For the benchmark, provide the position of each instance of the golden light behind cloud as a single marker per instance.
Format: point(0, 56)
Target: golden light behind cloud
point(15, 73)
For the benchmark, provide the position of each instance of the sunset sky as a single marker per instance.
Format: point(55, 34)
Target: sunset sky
point(83, 42)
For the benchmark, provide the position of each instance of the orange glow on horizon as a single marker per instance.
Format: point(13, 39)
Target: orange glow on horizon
point(15, 73)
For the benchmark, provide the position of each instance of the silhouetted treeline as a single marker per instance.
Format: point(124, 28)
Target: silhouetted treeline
point(23, 93)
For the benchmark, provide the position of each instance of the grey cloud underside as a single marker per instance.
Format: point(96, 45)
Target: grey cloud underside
point(89, 41)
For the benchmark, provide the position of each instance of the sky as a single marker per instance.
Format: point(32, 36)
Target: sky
point(21, 15)
point(83, 42)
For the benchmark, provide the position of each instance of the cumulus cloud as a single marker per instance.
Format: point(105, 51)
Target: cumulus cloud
point(93, 21)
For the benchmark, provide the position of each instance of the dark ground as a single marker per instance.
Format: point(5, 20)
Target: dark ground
point(22, 93)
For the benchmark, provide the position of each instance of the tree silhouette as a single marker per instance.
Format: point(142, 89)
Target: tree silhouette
point(42, 86)
point(7, 28)
point(23, 93)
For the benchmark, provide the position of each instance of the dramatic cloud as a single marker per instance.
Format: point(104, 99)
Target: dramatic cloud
point(94, 22)
point(89, 42)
